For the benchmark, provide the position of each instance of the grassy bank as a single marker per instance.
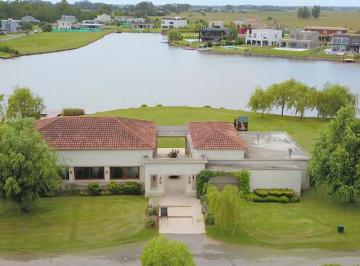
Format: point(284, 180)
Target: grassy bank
point(74, 223)
point(303, 130)
point(46, 42)
point(311, 223)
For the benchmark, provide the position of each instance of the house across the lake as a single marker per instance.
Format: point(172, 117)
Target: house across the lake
point(263, 37)
point(105, 149)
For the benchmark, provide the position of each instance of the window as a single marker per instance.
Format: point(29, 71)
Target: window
point(82, 173)
point(124, 172)
point(154, 181)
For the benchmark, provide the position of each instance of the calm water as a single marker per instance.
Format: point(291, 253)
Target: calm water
point(127, 70)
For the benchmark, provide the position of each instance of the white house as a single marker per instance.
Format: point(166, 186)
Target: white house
point(10, 25)
point(67, 23)
point(216, 24)
point(263, 37)
point(105, 149)
point(103, 19)
point(173, 23)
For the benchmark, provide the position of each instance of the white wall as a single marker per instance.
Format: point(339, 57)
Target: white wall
point(276, 179)
point(173, 23)
point(222, 155)
point(163, 170)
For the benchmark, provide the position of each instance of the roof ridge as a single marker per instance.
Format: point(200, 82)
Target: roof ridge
point(204, 139)
point(132, 131)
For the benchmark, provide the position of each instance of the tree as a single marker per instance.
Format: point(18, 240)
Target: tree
point(315, 12)
point(300, 99)
point(281, 94)
point(46, 27)
point(224, 206)
point(144, 9)
point(28, 168)
point(23, 103)
point(333, 97)
point(260, 101)
point(2, 108)
point(163, 252)
point(303, 12)
point(174, 35)
point(336, 156)
point(26, 26)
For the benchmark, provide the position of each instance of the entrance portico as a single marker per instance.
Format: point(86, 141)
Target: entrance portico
point(165, 175)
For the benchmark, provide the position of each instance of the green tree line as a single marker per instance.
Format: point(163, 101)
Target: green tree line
point(305, 12)
point(297, 96)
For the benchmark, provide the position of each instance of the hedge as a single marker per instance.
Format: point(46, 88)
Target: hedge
point(127, 188)
point(272, 195)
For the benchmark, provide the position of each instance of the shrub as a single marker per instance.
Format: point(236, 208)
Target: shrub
point(244, 181)
point(201, 180)
point(225, 206)
point(94, 189)
point(114, 188)
point(143, 105)
point(73, 111)
point(160, 251)
point(173, 153)
point(46, 27)
point(175, 35)
point(150, 222)
point(130, 188)
point(289, 193)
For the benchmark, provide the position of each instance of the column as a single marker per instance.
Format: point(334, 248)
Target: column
point(71, 174)
point(107, 174)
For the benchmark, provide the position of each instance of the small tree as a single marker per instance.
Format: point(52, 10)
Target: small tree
point(175, 35)
point(73, 112)
point(28, 168)
point(300, 99)
point(281, 94)
point(225, 207)
point(23, 103)
point(336, 156)
point(46, 27)
point(260, 101)
point(315, 12)
point(162, 252)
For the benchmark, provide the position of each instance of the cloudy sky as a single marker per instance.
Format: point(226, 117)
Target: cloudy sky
point(242, 2)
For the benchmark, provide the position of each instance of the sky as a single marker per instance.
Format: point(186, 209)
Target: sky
point(243, 2)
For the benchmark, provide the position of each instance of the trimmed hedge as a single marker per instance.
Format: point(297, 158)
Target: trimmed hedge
point(127, 188)
point(273, 195)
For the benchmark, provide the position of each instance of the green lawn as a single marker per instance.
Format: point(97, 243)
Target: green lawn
point(74, 223)
point(303, 130)
point(312, 223)
point(45, 42)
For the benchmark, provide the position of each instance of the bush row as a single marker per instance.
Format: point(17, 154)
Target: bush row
point(272, 195)
point(275, 192)
point(7, 49)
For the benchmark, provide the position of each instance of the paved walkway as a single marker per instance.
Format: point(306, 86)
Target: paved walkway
point(184, 215)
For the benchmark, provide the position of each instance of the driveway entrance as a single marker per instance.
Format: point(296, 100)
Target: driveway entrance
point(175, 185)
point(184, 215)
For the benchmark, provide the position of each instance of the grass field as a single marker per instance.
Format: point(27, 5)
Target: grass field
point(45, 42)
point(303, 130)
point(311, 223)
point(74, 223)
point(349, 19)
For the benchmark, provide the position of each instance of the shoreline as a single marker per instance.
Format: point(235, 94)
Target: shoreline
point(60, 50)
point(250, 54)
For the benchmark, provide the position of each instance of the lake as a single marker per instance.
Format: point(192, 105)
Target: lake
point(127, 70)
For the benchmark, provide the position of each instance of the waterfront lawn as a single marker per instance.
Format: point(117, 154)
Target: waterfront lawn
point(45, 42)
point(74, 223)
point(303, 130)
point(4, 55)
point(311, 223)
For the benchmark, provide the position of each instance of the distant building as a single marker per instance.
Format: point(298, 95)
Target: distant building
point(216, 24)
point(173, 23)
point(128, 21)
point(10, 25)
point(67, 23)
point(143, 25)
point(301, 39)
point(263, 37)
point(345, 43)
point(326, 33)
point(103, 19)
point(91, 24)
point(214, 34)
point(30, 19)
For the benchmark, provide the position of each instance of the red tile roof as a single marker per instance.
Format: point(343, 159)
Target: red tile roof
point(97, 133)
point(215, 136)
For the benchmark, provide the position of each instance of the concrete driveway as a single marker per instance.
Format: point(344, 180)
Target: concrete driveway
point(184, 215)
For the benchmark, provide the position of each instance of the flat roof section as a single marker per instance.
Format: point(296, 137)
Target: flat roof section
point(271, 146)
